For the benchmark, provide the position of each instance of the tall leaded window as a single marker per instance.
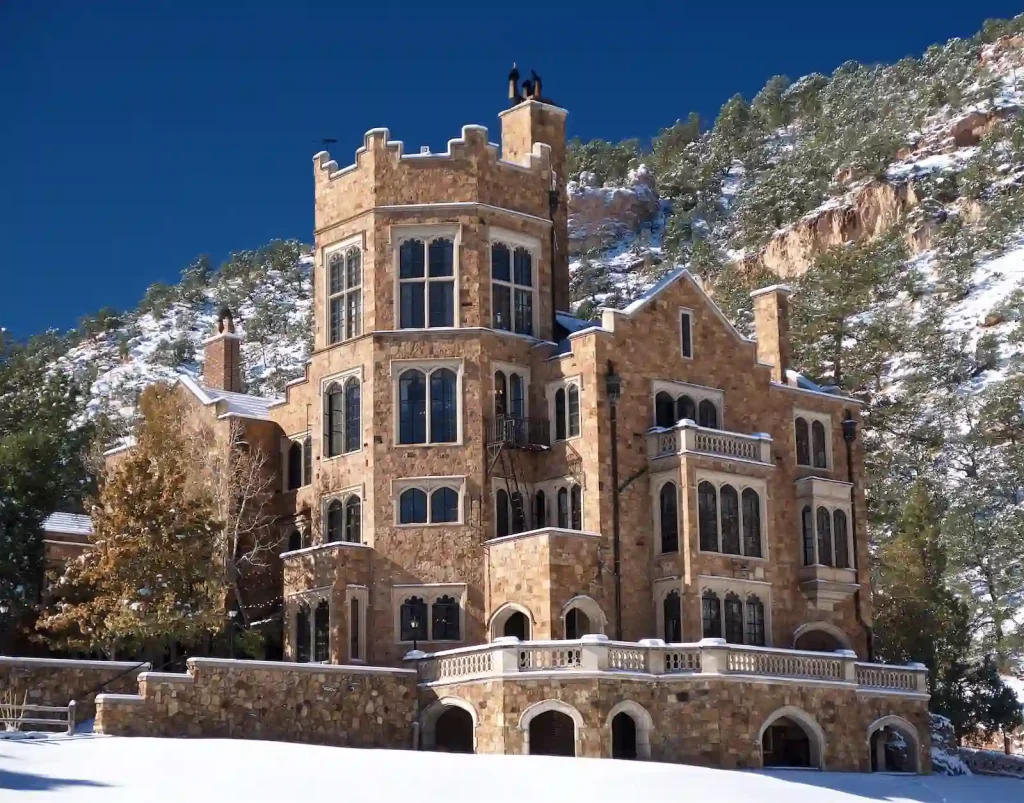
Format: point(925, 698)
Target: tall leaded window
point(413, 619)
point(573, 410)
point(335, 521)
point(560, 412)
point(412, 407)
point(751, 523)
point(807, 527)
point(302, 634)
point(825, 537)
point(445, 619)
point(819, 450)
point(755, 621)
point(353, 520)
point(668, 510)
point(730, 520)
point(444, 506)
point(428, 405)
point(733, 619)
point(686, 334)
point(707, 414)
point(502, 514)
point(426, 283)
point(707, 516)
point(563, 508)
point(512, 283)
point(342, 426)
point(294, 465)
point(664, 410)
point(540, 510)
point(672, 610)
point(443, 406)
point(322, 632)
point(307, 460)
point(345, 301)
point(803, 442)
point(517, 396)
point(412, 507)
point(840, 534)
point(500, 394)
point(686, 408)
point(576, 507)
point(711, 614)
point(567, 411)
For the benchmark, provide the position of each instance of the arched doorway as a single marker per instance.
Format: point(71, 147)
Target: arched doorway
point(577, 624)
point(582, 616)
point(820, 637)
point(517, 625)
point(453, 731)
point(791, 738)
point(552, 733)
point(893, 745)
point(623, 736)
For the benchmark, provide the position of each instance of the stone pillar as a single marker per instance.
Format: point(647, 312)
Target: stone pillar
point(222, 361)
point(771, 327)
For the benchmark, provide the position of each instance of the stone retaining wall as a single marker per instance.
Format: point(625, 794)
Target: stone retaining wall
point(53, 681)
point(347, 706)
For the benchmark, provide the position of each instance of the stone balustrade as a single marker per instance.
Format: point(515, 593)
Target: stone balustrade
point(710, 657)
point(686, 437)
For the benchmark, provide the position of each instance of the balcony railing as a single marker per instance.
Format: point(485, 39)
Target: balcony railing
point(687, 437)
point(509, 656)
point(518, 432)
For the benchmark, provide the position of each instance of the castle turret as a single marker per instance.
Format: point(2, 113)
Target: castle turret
point(222, 363)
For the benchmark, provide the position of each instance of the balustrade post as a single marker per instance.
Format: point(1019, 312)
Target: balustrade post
point(766, 446)
point(506, 657)
point(714, 656)
point(654, 660)
point(594, 652)
point(686, 436)
point(849, 665)
point(921, 674)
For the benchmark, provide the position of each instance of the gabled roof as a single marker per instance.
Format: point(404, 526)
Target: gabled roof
point(69, 523)
point(241, 405)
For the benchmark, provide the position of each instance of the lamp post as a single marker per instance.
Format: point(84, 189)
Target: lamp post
point(231, 632)
point(414, 626)
point(613, 385)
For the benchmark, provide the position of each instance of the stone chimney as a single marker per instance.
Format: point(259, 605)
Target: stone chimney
point(771, 327)
point(222, 365)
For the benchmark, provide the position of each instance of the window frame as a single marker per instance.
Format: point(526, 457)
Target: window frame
point(508, 369)
point(551, 392)
point(685, 313)
point(663, 587)
point(427, 233)
point(428, 485)
point(825, 419)
point(305, 443)
point(355, 243)
point(658, 488)
point(429, 593)
point(697, 394)
point(341, 381)
point(740, 484)
point(427, 368)
point(359, 594)
point(513, 240)
point(831, 506)
point(342, 496)
point(743, 590)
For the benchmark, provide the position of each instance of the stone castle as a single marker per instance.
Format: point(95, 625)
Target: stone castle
point(505, 529)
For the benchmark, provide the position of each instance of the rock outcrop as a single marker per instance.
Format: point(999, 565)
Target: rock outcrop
point(599, 216)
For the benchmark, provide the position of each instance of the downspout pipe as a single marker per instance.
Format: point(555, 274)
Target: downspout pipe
point(553, 206)
point(849, 436)
point(613, 385)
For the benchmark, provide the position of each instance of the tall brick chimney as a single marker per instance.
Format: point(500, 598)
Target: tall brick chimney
point(222, 365)
point(771, 327)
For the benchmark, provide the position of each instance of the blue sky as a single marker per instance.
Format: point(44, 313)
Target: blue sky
point(137, 135)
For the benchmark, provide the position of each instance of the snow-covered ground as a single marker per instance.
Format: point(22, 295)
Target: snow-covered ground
point(97, 768)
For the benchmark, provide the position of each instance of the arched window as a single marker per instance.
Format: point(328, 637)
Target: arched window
point(673, 614)
point(517, 396)
point(322, 632)
point(560, 414)
point(668, 498)
point(733, 619)
point(413, 619)
point(707, 414)
point(335, 421)
point(445, 619)
point(344, 295)
point(512, 289)
point(540, 510)
point(755, 621)
point(707, 516)
point(426, 278)
point(522, 277)
point(443, 406)
point(294, 541)
point(573, 413)
point(502, 515)
point(818, 443)
point(307, 460)
point(664, 410)
point(353, 524)
point(501, 290)
point(515, 501)
point(803, 443)
point(294, 465)
point(751, 523)
point(577, 624)
point(686, 408)
point(412, 507)
point(824, 537)
point(807, 524)
point(335, 521)
point(711, 614)
point(302, 634)
point(842, 544)
point(563, 508)
point(353, 433)
point(500, 394)
point(576, 507)
point(730, 520)
point(412, 407)
point(444, 506)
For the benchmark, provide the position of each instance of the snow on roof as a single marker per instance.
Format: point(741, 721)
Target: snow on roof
point(571, 323)
point(69, 523)
point(238, 404)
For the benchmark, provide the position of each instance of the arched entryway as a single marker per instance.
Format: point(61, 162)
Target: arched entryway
point(893, 745)
point(791, 738)
point(623, 736)
point(550, 728)
point(511, 620)
point(577, 624)
point(517, 625)
point(820, 637)
point(582, 616)
point(630, 726)
point(453, 731)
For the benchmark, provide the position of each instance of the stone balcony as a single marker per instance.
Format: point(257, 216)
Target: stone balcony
point(688, 438)
point(509, 659)
point(825, 586)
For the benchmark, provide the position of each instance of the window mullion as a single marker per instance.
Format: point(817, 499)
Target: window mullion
point(718, 511)
point(427, 404)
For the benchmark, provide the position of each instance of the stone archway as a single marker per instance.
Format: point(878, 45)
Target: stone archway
point(511, 619)
point(449, 725)
point(820, 637)
point(582, 616)
point(629, 739)
point(623, 736)
point(790, 737)
point(893, 746)
point(551, 728)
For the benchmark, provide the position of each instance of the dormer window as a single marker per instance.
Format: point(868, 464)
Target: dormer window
point(426, 282)
point(345, 294)
point(513, 283)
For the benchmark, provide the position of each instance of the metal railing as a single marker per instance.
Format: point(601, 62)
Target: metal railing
point(518, 432)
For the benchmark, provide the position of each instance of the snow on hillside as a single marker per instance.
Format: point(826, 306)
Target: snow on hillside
point(97, 768)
